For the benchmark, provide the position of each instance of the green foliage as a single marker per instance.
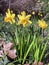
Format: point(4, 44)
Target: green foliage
point(4, 61)
point(30, 42)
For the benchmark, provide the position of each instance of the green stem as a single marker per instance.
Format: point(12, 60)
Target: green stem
point(43, 33)
point(29, 49)
point(15, 46)
point(17, 60)
point(43, 52)
point(21, 44)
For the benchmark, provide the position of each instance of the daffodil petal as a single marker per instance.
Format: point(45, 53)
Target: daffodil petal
point(19, 16)
point(30, 22)
point(13, 20)
point(28, 16)
point(23, 13)
point(8, 11)
point(19, 22)
point(13, 15)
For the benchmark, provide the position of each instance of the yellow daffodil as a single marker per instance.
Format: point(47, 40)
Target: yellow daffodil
point(42, 24)
point(24, 19)
point(9, 17)
point(33, 13)
point(40, 14)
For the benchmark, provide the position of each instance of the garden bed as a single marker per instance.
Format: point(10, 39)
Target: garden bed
point(24, 36)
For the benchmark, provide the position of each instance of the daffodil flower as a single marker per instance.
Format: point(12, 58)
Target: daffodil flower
point(33, 13)
point(10, 17)
point(42, 24)
point(24, 19)
point(40, 14)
